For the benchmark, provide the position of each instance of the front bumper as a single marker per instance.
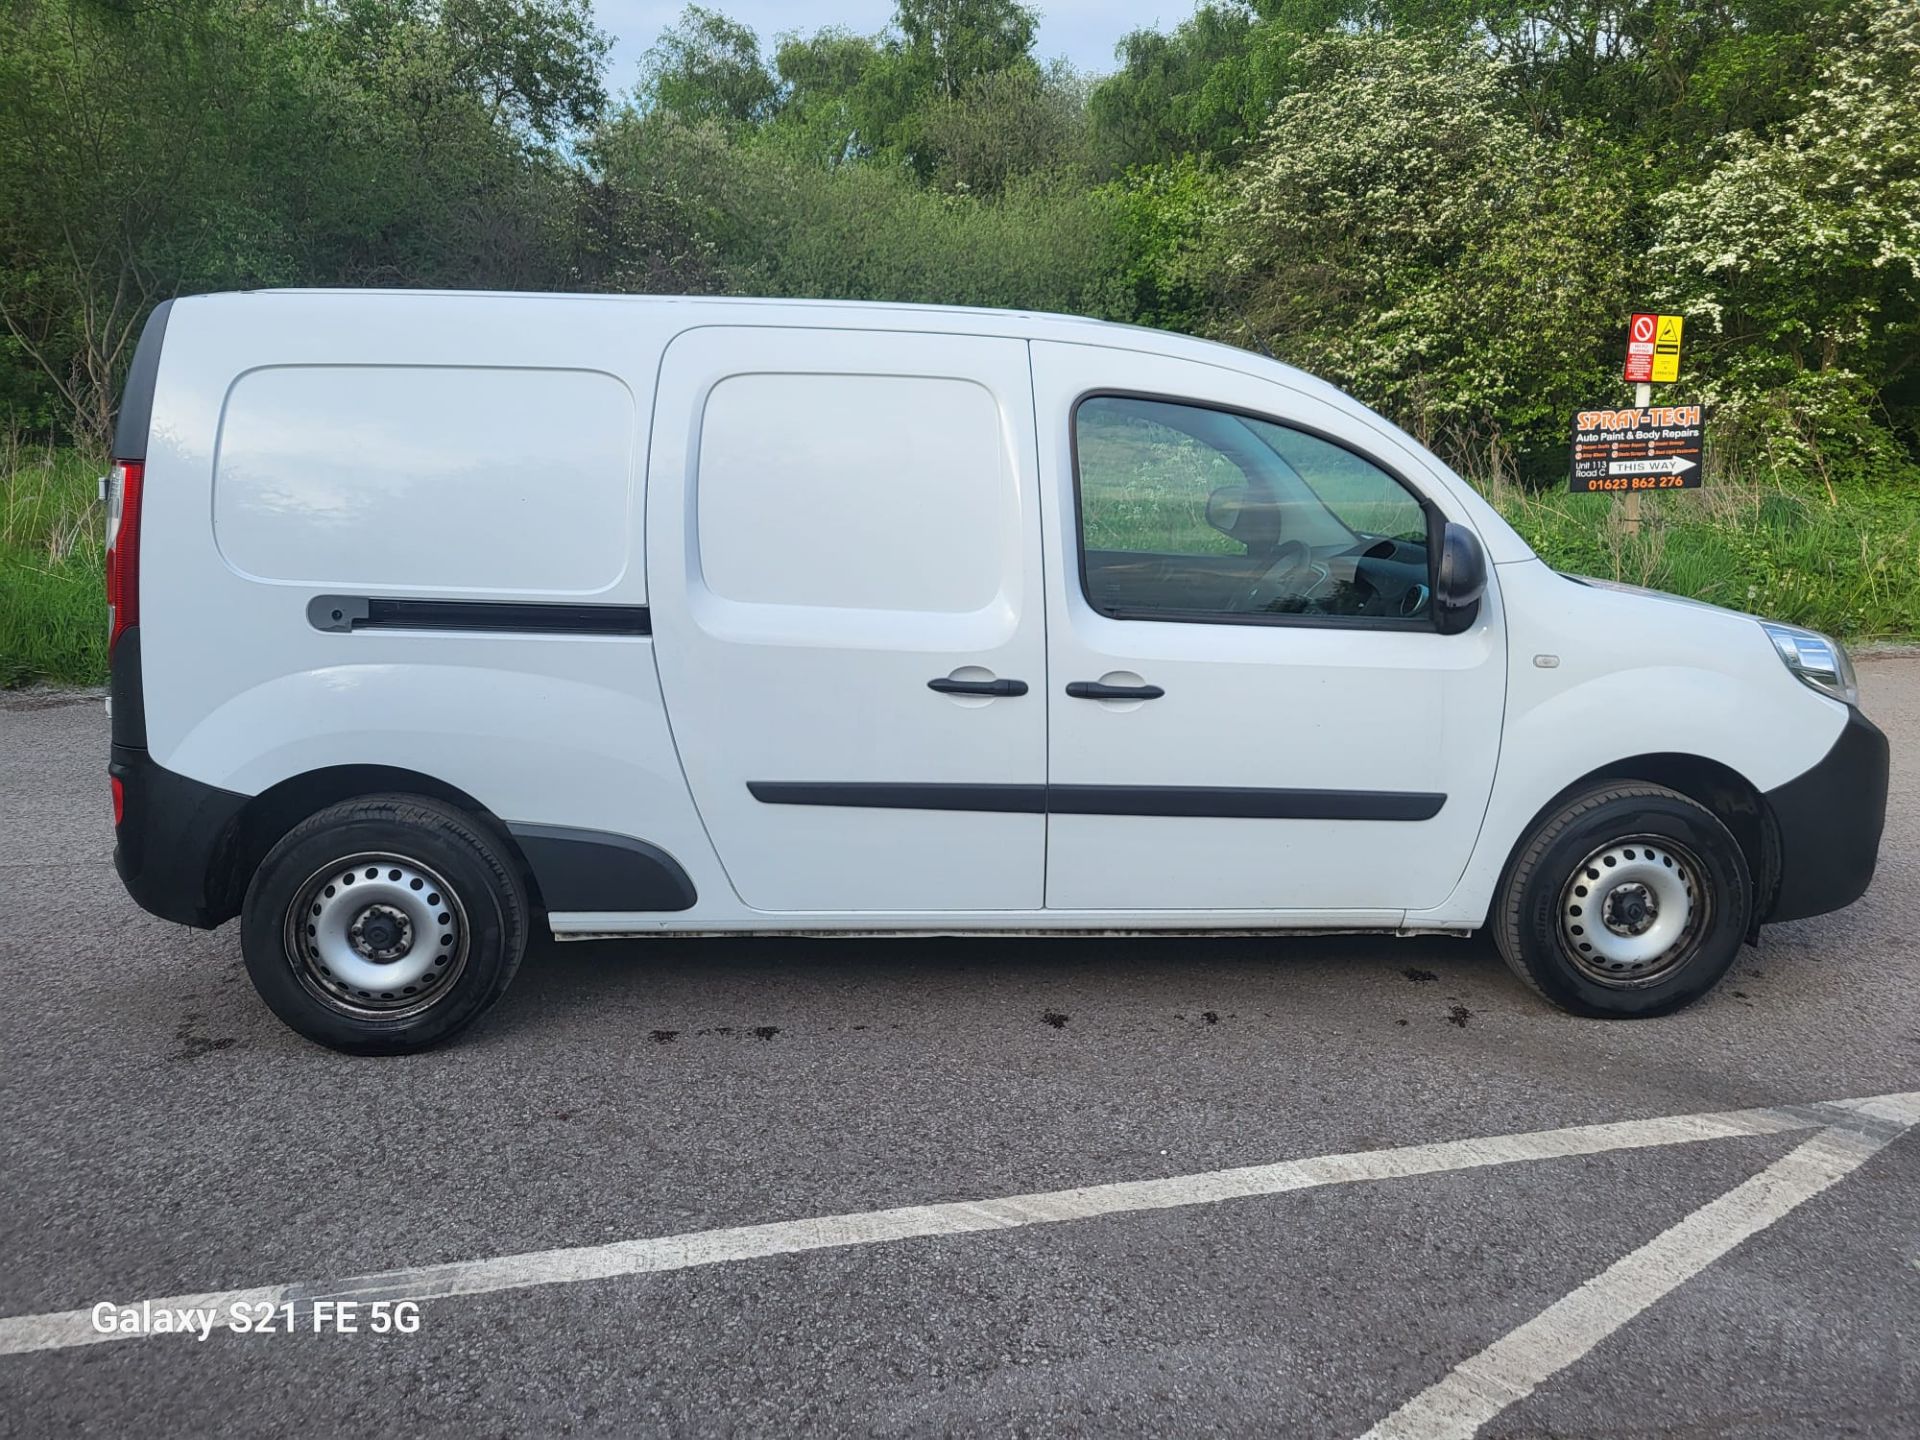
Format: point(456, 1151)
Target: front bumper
point(1828, 824)
point(176, 841)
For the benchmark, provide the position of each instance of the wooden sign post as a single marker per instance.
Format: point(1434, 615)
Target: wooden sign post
point(1642, 398)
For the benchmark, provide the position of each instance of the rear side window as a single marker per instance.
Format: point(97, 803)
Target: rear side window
point(423, 477)
point(1192, 513)
point(861, 492)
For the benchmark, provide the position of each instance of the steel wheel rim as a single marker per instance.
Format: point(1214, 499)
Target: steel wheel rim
point(1632, 912)
point(377, 936)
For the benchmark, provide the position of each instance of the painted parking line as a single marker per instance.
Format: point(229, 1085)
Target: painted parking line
point(1511, 1368)
point(60, 1330)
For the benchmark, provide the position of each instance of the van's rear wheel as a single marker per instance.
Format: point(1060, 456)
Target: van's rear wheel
point(383, 925)
point(1631, 900)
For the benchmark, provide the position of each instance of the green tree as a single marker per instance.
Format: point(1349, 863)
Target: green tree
point(1003, 125)
point(842, 96)
point(658, 205)
point(124, 175)
point(708, 67)
point(939, 65)
point(948, 44)
point(1798, 259)
point(1191, 92)
point(1172, 234)
point(210, 144)
point(1655, 72)
point(1401, 232)
point(533, 63)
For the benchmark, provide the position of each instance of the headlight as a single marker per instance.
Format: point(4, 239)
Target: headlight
point(1815, 659)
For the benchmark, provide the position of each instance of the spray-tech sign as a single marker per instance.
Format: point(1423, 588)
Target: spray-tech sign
point(1643, 447)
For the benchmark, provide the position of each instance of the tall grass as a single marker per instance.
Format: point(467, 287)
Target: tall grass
point(1850, 567)
point(53, 618)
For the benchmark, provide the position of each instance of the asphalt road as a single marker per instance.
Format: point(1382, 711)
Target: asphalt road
point(164, 1135)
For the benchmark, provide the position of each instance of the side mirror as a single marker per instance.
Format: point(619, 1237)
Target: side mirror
point(1224, 506)
point(1460, 580)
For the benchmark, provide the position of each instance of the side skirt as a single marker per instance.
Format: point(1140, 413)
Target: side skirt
point(606, 925)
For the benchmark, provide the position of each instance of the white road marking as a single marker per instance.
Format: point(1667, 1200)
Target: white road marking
point(60, 1330)
point(1510, 1369)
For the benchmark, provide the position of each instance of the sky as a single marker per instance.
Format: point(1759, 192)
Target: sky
point(1085, 31)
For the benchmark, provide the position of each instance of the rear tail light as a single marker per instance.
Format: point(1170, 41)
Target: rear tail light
point(123, 547)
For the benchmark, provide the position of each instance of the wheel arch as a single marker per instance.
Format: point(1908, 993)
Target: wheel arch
point(267, 817)
point(1728, 795)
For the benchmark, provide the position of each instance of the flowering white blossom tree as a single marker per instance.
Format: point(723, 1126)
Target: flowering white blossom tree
point(1798, 259)
point(1402, 232)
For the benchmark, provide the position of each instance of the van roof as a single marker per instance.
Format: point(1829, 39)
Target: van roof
point(884, 306)
point(1038, 324)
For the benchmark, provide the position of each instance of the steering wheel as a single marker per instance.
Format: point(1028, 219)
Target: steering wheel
point(1290, 557)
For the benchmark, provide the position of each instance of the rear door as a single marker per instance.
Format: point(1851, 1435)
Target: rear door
point(842, 544)
point(1252, 709)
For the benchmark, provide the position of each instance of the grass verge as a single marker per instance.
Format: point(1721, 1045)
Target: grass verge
point(53, 616)
point(1851, 568)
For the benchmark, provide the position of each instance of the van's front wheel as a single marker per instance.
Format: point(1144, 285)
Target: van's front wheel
point(1631, 900)
point(383, 925)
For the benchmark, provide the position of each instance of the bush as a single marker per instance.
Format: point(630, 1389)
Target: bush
point(769, 221)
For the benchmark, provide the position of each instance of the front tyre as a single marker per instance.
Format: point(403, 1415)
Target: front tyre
point(1629, 901)
point(383, 925)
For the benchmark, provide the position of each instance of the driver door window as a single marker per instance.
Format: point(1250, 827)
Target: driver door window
point(1191, 513)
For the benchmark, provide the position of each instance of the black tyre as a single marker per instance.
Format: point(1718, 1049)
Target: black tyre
point(384, 925)
point(1629, 901)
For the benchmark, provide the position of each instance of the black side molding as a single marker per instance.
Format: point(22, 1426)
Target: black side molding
point(1003, 799)
point(1232, 802)
point(596, 870)
point(1224, 802)
point(385, 612)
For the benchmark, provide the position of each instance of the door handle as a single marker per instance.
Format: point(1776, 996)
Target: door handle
point(1094, 690)
point(977, 687)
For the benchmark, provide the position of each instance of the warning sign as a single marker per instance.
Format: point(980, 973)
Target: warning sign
point(1653, 447)
point(1666, 349)
point(1653, 349)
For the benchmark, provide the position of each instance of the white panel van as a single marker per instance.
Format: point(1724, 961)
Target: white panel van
point(438, 618)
